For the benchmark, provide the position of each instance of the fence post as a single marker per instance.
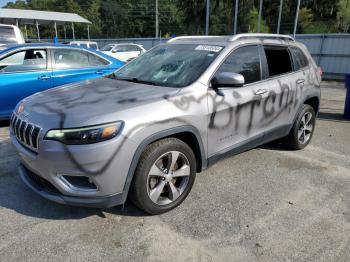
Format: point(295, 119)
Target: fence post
point(279, 17)
point(207, 18)
point(259, 18)
point(236, 15)
point(321, 50)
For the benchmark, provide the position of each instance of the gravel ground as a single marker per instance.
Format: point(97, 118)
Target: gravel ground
point(267, 204)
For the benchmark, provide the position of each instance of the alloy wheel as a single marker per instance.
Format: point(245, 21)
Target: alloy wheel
point(168, 178)
point(305, 128)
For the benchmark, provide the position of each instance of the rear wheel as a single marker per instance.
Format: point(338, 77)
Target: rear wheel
point(303, 129)
point(164, 176)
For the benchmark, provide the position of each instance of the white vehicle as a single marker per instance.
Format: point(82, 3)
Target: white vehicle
point(10, 34)
point(124, 52)
point(85, 44)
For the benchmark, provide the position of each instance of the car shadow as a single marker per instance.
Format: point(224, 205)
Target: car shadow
point(275, 146)
point(4, 123)
point(336, 117)
point(16, 196)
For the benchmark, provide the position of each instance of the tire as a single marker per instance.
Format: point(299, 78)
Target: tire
point(300, 130)
point(160, 184)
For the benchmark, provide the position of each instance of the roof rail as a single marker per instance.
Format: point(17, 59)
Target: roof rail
point(191, 37)
point(258, 35)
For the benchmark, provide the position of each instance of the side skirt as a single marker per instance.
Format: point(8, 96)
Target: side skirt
point(251, 143)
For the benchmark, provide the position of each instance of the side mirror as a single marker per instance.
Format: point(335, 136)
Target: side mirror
point(227, 79)
point(114, 51)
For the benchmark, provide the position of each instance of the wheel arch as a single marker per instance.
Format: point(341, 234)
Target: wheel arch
point(314, 102)
point(188, 134)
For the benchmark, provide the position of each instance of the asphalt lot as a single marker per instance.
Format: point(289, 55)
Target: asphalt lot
point(267, 204)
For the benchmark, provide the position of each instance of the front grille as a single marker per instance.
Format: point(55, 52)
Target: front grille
point(27, 134)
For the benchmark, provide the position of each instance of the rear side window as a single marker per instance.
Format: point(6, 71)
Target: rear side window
point(299, 58)
point(93, 46)
point(278, 60)
point(97, 61)
point(65, 58)
point(124, 48)
point(134, 48)
point(245, 61)
point(26, 60)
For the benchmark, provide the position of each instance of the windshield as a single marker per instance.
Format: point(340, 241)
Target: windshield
point(7, 35)
point(170, 64)
point(107, 48)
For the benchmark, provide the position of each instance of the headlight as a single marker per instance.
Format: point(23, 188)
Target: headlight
point(85, 135)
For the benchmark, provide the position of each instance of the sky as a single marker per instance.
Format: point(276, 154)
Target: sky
point(4, 2)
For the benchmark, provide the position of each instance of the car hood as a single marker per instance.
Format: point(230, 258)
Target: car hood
point(91, 102)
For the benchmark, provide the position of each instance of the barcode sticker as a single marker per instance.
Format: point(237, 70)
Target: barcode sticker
point(211, 48)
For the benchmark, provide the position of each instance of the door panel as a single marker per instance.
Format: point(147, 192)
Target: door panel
point(284, 90)
point(22, 74)
point(280, 104)
point(235, 113)
point(16, 86)
point(72, 65)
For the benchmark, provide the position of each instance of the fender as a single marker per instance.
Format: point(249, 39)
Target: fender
point(312, 95)
point(155, 137)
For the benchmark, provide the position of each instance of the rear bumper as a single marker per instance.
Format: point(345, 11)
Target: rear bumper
point(45, 189)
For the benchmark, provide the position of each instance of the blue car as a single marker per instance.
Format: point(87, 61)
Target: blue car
point(30, 68)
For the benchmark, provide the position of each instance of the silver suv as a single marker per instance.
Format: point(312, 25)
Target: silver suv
point(146, 130)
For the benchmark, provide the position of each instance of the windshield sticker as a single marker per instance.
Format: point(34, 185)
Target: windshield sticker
point(211, 48)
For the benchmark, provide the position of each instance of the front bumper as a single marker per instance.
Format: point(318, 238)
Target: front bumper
point(105, 164)
point(46, 190)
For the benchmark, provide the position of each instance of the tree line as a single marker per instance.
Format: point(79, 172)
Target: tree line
point(136, 18)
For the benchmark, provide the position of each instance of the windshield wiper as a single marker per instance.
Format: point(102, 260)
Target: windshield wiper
point(136, 80)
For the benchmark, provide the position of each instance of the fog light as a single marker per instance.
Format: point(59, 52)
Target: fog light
point(80, 182)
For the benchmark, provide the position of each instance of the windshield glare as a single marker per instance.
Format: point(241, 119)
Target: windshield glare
point(175, 65)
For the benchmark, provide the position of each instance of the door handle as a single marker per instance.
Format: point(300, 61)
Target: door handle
point(100, 72)
point(260, 91)
point(44, 77)
point(300, 81)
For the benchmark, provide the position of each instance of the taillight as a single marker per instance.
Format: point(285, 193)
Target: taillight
point(319, 71)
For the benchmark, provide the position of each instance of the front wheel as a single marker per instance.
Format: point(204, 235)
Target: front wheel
point(164, 176)
point(303, 129)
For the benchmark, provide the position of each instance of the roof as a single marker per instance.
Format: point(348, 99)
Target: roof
point(82, 42)
point(10, 48)
point(8, 15)
point(214, 40)
point(227, 40)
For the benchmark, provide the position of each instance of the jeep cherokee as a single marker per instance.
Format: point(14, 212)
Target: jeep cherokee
point(144, 131)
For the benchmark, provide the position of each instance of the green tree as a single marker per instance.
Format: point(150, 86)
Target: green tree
point(343, 15)
point(253, 18)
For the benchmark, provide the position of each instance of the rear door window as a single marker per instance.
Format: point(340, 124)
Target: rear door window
point(123, 48)
point(97, 61)
point(66, 58)
point(278, 60)
point(245, 61)
point(26, 60)
point(299, 58)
